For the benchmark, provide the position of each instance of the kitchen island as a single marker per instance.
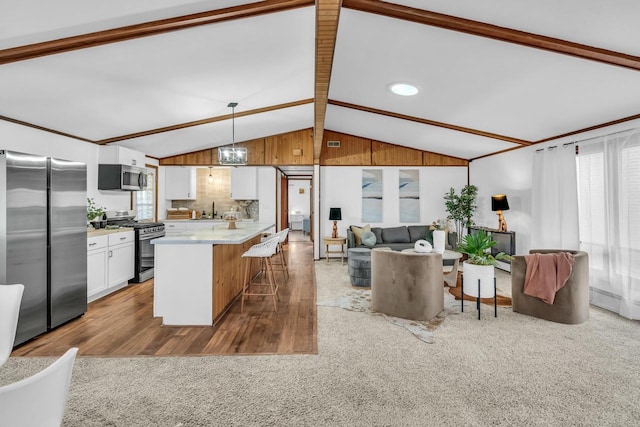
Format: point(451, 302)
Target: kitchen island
point(198, 274)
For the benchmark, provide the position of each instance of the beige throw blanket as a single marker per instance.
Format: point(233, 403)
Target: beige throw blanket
point(547, 274)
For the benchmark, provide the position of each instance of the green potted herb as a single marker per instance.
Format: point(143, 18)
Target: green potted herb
point(94, 212)
point(480, 264)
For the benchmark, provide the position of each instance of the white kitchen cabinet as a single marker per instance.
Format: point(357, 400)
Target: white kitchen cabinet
point(121, 267)
point(174, 228)
point(116, 155)
point(97, 253)
point(110, 263)
point(244, 183)
point(180, 183)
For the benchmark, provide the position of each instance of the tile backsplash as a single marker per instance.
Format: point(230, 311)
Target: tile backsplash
point(218, 192)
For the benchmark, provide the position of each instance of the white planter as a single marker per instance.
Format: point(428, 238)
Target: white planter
point(471, 274)
point(438, 241)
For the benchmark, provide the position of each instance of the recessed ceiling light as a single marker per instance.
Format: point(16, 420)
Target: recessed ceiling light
point(404, 89)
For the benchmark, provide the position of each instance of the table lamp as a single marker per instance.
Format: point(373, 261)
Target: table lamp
point(499, 203)
point(335, 215)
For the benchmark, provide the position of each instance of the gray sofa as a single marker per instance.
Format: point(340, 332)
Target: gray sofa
point(399, 238)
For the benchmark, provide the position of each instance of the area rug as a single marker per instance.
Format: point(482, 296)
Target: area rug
point(335, 290)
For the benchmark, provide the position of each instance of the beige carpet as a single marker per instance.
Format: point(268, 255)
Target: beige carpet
point(512, 370)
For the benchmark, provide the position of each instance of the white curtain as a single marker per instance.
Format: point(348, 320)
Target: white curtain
point(609, 183)
point(554, 199)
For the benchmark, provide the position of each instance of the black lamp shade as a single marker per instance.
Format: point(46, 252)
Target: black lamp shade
point(499, 203)
point(335, 214)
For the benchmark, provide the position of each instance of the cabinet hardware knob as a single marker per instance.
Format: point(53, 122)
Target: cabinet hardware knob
point(92, 244)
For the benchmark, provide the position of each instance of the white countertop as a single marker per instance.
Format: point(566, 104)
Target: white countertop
point(216, 235)
point(104, 231)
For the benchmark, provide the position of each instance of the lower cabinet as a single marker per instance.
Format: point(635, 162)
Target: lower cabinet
point(110, 263)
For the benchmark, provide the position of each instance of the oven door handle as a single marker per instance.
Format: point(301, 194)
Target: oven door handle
point(152, 236)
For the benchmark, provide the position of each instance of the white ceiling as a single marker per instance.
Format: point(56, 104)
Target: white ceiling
point(177, 77)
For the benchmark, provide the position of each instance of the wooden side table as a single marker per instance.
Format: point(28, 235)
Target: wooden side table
point(328, 241)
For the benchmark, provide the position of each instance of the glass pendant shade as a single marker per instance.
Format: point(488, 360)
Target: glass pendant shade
point(232, 156)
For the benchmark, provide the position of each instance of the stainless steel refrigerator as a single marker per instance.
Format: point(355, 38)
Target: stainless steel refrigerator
point(43, 238)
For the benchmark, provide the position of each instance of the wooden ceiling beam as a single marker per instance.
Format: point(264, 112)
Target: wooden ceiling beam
point(494, 32)
point(205, 121)
point(327, 16)
point(146, 29)
point(430, 122)
point(44, 129)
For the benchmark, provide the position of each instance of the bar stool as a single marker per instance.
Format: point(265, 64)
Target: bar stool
point(263, 252)
point(281, 260)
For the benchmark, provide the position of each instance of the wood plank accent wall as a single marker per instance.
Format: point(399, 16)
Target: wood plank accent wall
point(357, 151)
point(393, 155)
point(435, 159)
point(209, 157)
point(203, 157)
point(280, 150)
point(353, 150)
point(293, 148)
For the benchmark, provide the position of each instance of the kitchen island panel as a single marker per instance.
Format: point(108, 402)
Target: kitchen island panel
point(228, 274)
point(182, 285)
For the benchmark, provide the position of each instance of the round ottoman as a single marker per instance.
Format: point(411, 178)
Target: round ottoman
point(359, 262)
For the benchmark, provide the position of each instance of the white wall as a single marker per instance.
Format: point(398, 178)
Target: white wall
point(341, 187)
point(33, 141)
point(300, 202)
point(511, 173)
point(267, 194)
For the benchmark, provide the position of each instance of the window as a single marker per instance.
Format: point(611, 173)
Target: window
point(609, 205)
point(146, 199)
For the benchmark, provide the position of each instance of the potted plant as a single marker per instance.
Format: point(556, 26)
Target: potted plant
point(94, 212)
point(461, 207)
point(480, 263)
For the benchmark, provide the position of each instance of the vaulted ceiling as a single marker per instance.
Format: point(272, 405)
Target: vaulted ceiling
point(157, 75)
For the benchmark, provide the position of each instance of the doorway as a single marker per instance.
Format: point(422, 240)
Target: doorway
point(298, 208)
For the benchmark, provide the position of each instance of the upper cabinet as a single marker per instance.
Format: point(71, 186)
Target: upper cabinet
point(244, 183)
point(116, 155)
point(180, 183)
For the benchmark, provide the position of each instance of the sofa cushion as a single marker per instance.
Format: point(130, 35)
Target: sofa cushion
point(417, 232)
point(357, 232)
point(368, 239)
point(378, 232)
point(396, 235)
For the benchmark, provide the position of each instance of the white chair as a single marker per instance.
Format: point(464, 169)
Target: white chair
point(10, 298)
point(38, 401)
point(281, 260)
point(263, 252)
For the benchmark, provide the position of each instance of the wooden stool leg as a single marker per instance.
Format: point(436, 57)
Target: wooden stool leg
point(283, 262)
point(272, 288)
point(246, 283)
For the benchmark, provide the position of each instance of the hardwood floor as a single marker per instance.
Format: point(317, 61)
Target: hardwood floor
point(122, 324)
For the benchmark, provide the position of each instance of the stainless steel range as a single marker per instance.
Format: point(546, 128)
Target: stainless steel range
point(144, 233)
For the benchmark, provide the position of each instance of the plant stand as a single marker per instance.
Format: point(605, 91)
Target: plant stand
point(495, 297)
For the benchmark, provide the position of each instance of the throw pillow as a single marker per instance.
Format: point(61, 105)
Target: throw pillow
point(357, 232)
point(429, 236)
point(368, 239)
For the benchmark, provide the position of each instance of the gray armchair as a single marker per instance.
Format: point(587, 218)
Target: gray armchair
point(407, 285)
point(571, 304)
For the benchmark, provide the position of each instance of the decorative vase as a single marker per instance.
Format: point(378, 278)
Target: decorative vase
point(471, 274)
point(438, 241)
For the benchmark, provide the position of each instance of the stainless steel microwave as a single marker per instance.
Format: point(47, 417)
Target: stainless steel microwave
point(121, 177)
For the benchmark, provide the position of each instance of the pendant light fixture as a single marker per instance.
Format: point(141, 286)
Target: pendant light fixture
point(210, 179)
point(232, 156)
